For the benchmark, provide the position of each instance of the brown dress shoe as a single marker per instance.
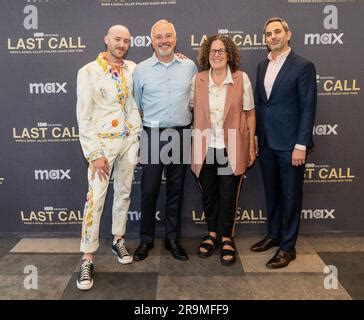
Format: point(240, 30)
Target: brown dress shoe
point(281, 259)
point(264, 244)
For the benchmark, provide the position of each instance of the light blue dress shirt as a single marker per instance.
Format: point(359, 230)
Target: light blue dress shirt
point(162, 91)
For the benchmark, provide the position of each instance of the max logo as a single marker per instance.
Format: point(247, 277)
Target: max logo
point(52, 174)
point(331, 21)
point(40, 88)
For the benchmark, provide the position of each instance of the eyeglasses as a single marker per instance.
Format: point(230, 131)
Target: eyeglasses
point(220, 52)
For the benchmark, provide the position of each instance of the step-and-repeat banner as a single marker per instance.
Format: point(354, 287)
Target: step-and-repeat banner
point(43, 43)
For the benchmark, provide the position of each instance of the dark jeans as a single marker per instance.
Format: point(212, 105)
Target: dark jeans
point(219, 192)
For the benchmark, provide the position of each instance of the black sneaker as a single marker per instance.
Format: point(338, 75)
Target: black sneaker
point(84, 280)
point(122, 252)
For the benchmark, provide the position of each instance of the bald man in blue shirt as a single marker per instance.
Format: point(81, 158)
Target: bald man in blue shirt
point(162, 89)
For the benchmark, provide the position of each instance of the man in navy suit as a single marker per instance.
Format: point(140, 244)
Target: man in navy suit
point(285, 101)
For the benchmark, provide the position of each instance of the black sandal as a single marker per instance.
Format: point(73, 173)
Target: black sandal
point(228, 252)
point(210, 248)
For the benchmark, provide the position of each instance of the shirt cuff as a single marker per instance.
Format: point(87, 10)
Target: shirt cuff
point(300, 147)
point(95, 155)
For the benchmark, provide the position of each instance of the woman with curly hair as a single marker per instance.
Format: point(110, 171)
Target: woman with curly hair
point(223, 140)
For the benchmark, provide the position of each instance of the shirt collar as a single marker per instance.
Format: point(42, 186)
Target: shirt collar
point(228, 79)
point(106, 66)
point(281, 56)
point(155, 60)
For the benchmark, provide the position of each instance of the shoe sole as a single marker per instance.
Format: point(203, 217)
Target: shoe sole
point(227, 263)
point(203, 255)
point(180, 259)
point(135, 258)
point(85, 287)
point(123, 261)
point(177, 258)
point(280, 267)
point(209, 254)
point(262, 250)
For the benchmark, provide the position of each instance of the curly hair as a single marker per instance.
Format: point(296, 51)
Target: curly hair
point(232, 51)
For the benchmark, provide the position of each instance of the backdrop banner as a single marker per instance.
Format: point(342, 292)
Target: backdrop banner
point(43, 44)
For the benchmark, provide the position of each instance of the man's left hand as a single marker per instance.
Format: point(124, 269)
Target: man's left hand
point(181, 56)
point(298, 157)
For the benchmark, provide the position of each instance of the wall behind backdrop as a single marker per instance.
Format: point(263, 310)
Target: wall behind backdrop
point(43, 43)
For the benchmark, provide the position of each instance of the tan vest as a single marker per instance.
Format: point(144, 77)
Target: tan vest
point(236, 133)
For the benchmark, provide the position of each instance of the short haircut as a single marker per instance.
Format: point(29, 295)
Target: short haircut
point(162, 21)
point(276, 19)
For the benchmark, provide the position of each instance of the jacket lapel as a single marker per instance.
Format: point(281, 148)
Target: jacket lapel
point(286, 66)
point(263, 71)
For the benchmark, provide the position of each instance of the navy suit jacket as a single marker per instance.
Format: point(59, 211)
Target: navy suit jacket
point(288, 116)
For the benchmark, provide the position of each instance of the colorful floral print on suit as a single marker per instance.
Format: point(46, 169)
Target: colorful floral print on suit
point(109, 125)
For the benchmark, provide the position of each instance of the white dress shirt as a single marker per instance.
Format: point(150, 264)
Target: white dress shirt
point(274, 66)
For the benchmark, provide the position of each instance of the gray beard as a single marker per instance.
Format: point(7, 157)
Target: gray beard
point(165, 52)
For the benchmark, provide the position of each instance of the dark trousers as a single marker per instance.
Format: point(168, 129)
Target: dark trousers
point(153, 162)
point(283, 184)
point(219, 192)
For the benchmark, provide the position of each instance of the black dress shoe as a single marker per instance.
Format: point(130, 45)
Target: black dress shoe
point(264, 244)
point(175, 248)
point(142, 251)
point(281, 259)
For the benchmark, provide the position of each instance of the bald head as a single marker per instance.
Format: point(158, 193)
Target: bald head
point(117, 28)
point(117, 40)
